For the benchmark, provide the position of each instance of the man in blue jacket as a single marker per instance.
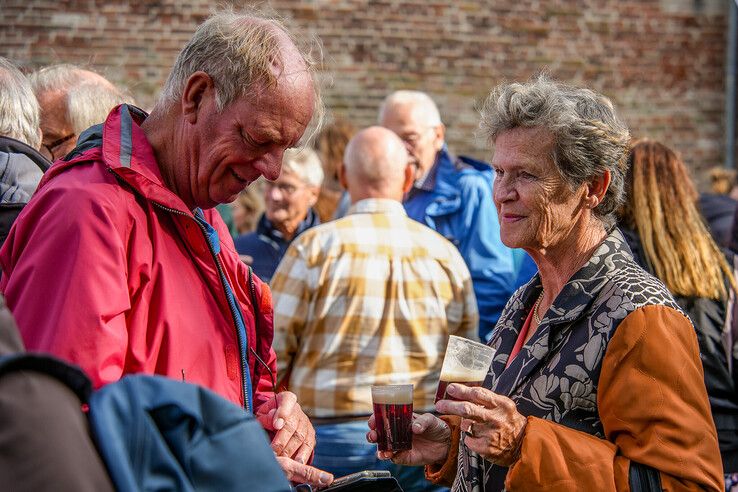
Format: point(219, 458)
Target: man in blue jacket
point(453, 195)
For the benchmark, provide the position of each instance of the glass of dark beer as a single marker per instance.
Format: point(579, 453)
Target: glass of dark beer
point(466, 362)
point(393, 415)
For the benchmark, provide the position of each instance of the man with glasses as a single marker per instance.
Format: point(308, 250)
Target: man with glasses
point(288, 211)
point(72, 99)
point(21, 165)
point(453, 195)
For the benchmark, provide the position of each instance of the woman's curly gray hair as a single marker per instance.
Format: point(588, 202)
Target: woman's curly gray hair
point(589, 138)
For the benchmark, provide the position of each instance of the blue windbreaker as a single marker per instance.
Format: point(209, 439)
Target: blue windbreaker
point(456, 201)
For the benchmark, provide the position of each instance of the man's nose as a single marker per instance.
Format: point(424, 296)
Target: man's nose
point(408, 146)
point(270, 165)
point(273, 192)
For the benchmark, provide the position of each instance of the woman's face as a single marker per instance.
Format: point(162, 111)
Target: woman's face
point(536, 208)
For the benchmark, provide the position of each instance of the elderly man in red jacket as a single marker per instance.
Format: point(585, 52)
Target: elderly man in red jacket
point(120, 265)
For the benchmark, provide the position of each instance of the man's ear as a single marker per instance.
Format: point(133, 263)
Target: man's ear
point(342, 175)
point(596, 189)
point(410, 171)
point(197, 88)
point(314, 194)
point(439, 136)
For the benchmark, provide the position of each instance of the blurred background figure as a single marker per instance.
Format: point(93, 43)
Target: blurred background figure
point(664, 229)
point(370, 298)
point(719, 205)
point(722, 181)
point(21, 165)
point(248, 207)
point(333, 201)
point(288, 211)
point(72, 99)
point(453, 196)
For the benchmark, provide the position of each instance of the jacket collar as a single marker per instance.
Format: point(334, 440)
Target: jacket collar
point(574, 299)
point(377, 205)
point(12, 146)
point(123, 147)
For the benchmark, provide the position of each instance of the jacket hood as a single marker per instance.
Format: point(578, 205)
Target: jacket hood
point(21, 169)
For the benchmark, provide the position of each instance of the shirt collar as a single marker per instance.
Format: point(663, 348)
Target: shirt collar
point(377, 205)
point(266, 228)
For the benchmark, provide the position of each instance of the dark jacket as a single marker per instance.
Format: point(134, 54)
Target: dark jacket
point(718, 211)
point(266, 246)
point(21, 168)
point(708, 317)
point(42, 418)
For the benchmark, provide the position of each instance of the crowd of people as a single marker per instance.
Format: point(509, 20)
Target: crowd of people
point(197, 241)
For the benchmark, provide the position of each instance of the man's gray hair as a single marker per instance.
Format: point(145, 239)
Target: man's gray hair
point(589, 138)
point(89, 104)
point(239, 53)
point(420, 100)
point(305, 163)
point(19, 111)
point(89, 96)
point(56, 78)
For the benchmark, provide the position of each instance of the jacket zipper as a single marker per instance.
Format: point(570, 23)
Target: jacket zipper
point(245, 392)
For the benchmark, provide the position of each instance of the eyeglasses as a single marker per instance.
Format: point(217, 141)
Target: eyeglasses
point(50, 148)
point(284, 188)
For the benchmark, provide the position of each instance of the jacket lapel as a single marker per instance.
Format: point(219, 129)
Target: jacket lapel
point(574, 299)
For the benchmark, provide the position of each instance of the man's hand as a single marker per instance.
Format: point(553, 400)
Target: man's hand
point(299, 473)
point(294, 434)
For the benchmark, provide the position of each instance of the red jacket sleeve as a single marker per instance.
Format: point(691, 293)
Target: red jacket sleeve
point(64, 278)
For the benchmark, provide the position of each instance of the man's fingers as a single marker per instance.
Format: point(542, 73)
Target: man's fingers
point(371, 436)
point(296, 440)
point(371, 422)
point(297, 472)
point(303, 454)
point(287, 401)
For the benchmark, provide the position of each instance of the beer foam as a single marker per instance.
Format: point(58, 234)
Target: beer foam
point(463, 376)
point(388, 395)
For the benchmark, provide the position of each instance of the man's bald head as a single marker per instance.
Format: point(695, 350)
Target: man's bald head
point(376, 165)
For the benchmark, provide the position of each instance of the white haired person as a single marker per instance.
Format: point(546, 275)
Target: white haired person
point(138, 273)
point(72, 99)
point(288, 211)
point(596, 383)
point(21, 164)
point(452, 195)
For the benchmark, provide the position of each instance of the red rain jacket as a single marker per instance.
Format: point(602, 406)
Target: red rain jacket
point(107, 268)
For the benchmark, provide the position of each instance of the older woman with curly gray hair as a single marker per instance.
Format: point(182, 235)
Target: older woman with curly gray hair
point(596, 383)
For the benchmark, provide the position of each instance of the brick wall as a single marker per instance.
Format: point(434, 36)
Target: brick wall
point(661, 61)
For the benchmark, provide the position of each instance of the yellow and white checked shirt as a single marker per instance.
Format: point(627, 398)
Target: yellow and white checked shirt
point(368, 299)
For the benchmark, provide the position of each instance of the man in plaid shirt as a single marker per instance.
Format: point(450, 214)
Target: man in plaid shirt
point(368, 299)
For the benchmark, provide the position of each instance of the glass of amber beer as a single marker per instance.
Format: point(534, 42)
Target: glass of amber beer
point(393, 415)
point(465, 362)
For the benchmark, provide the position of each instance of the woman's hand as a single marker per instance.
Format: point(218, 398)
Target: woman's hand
point(493, 426)
point(431, 441)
